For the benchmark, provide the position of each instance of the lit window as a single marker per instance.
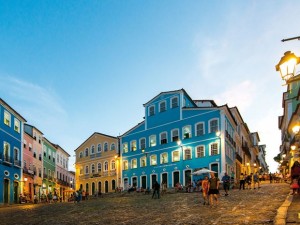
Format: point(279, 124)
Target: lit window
point(125, 147)
point(175, 156)
point(152, 140)
point(133, 145)
point(174, 102)
point(213, 124)
point(175, 135)
point(125, 165)
point(17, 125)
point(164, 158)
point(162, 106)
point(187, 154)
point(133, 164)
point(199, 129)
point(163, 138)
point(7, 118)
point(151, 110)
point(200, 151)
point(113, 165)
point(153, 160)
point(214, 149)
point(143, 143)
point(143, 161)
point(187, 133)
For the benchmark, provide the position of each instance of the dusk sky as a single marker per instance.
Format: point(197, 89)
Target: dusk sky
point(72, 68)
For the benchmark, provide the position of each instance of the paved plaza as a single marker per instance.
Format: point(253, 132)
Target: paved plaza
point(240, 207)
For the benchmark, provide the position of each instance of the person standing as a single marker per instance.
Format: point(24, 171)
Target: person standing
point(242, 181)
point(156, 190)
point(255, 180)
point(213, 189)
point(226, 183)
point(204, 186)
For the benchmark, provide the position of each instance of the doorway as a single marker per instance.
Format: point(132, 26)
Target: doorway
point(106, 186)
point(175, 178)
point(164, 178)
point(187, 177)
point(144, 182)
point(153, 179)
point(6, 191)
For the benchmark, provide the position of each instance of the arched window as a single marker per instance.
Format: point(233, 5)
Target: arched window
point(153, 160)
point(86, 152)
point(133, 164)
point(113, 146)
point(113, 165)
point(99, 148)
point(105, 166)
point(93, 168)
point(99, 167)
point(105, 146)
point(86, 169)
point(92, 149)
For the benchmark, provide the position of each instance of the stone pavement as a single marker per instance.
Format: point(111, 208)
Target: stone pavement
point(289, 212)
point(240, 207)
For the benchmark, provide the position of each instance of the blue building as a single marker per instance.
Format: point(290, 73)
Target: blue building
point(177, 137)
point(11, 136)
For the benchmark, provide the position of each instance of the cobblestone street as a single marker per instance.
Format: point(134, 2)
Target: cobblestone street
point(240, 207)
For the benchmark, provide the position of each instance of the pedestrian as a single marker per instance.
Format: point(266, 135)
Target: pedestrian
point(226, 183)
point(256, 180)
point(271, 178)
point(156, 190)
point(249, 181)
point(204, 189)
point(83, 195)
point(242, 181)
point(295, 175)
point(213, 189)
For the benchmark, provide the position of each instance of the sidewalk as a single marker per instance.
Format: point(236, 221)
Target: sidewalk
point(289, 211)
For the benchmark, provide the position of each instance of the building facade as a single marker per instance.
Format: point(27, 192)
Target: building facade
point(178, 136)
point(49, 167)
point(11, 157)
point(97, 164)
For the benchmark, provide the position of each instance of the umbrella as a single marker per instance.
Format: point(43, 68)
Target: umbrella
point(204, 170)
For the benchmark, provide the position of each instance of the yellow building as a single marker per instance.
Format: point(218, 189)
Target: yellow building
point(97, 164)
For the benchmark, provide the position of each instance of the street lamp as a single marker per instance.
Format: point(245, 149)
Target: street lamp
point(287, 65)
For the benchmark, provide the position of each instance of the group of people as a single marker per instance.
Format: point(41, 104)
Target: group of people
point(250, 181)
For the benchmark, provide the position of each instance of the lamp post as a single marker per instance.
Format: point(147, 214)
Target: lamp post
point(287, 66)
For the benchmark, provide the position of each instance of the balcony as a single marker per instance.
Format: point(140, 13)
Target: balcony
point(28, 172)
point(246, 149)
point(17, 163)
point(5, 159)
point(238, 158)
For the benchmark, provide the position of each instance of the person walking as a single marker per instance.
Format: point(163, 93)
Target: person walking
point(255, 180)
point(204, 186)
point(242, 181)
point(156, 190)
point(295, 175)
point(213, 189)
point(226, 183)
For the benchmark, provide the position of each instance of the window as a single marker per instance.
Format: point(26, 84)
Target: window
point(187, 154)
point(152, 140)
point(143, 143)
point(187, 133)
point(40, 157)
point(25, 142)
point(86, 152)
point(49, 154)
point(16, 154)
point(125, 147)
point(17, 125)
point(151, 110)
point(133, 145)
point(30, 147)
point(133, 164)
point(214, 149)
point(213, 125)
point(199, 129)
point(153, 160)
point(6, 152)
point(105, 147)
point(7, 118)
point(57, 158)
point(86, 169)
point(105, 166)
point(112, 147)
point(163, 138)
point(34, 154)
point(175, 135)
point(162, 106)
point(113, 165)
point(175, 156)
point(200, 151)
point(99, 149)
point(81, 170)
point(92, 149)
point(99, 167)
point(125, 165)
point(40, 172)
point(93, 168)
point(164, 158)
point(143, 161)
point(174, 102)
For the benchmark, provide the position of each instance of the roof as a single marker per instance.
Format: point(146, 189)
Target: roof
point(133, 128)
point(34, 128)
point(14, 111)
point(57, 146)
point(205, 100)
point(92, 136)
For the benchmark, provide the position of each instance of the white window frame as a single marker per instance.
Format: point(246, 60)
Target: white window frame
point(171, 102)
point(92, 149)
point(209, 125)
point(140, 142)
point(172, 136)
point(125, 147)
point(160, 137)
point(203, 124)
point(99, 148)
point(113, 165)
point(149, 110)
point(210, 148)
point(86, 152)
point(196, 151)
point(160, 107)
point(99, 167)
point(133, 145)
point(153, 136)
point(141, 161)
point(125, 165)
point(166, 159)
point(105, 147)
point(86, 169)
point(134, 166)
point(112, 146)
point(185, 150)
point(93, 170)
point(106, 166)
point(173, 158)
point(7, 118)
point(17, 125)
point(183, 131)
point(155, 158)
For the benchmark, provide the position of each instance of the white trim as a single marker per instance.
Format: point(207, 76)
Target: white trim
point(140, 145)
point(196, 149)
point(215, 118)
point(203, 123)
point(160, 137)
point(173, 185)
point(172, 134)
point(131, 162)
point(171, 99)
point(141, 183)
point(182, 133)
point(151, 160)
point(150, 106)
point(160, 157)
point(159, 106)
